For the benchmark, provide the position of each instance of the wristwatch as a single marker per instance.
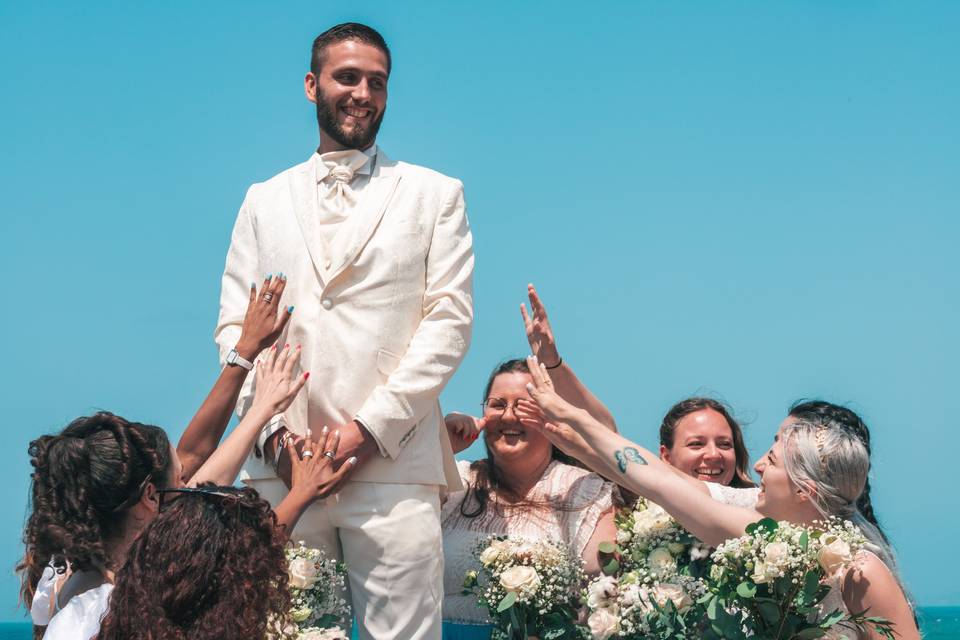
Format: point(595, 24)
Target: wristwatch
point(234, 360)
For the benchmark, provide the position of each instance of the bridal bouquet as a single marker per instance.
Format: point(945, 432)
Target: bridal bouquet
point(317, 609)
point(653, 586)
point(769, 583)
point(529, 587)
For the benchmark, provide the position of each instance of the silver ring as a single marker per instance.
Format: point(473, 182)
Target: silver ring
point(267, 297)
point(330, 454)
point(307, 454)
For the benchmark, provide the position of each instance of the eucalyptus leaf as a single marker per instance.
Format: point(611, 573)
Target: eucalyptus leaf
point(607, 547)
point(507, 602)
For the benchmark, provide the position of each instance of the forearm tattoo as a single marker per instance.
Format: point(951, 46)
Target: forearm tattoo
point(627, 455)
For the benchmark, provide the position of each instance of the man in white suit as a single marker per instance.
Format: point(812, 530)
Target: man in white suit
point(379, 261)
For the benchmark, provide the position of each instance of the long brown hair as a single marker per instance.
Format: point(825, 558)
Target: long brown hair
point(84, 480)
point(668, 429)
point(488, 479)
point(211, 566)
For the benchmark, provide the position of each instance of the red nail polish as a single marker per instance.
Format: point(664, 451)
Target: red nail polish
point(306, 375)
point(286, 346)
point(273, 348)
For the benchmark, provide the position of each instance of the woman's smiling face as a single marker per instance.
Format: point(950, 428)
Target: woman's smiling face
point(703, 447)
point(505, 436)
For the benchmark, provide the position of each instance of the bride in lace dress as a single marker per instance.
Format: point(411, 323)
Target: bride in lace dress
point(815, 469)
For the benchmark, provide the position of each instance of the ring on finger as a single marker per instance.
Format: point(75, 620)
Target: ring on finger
point(330, 454)
point(267, 297)
point(307, 454)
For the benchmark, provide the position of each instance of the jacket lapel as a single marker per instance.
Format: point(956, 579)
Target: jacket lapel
point(361, 224)
point(303, 192)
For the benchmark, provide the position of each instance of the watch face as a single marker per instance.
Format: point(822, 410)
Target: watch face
point(232, 356)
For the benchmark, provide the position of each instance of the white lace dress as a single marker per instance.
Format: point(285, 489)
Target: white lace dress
point(738, 497)
point(580, 498)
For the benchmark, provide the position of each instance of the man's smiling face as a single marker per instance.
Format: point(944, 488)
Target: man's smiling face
point(350, 92)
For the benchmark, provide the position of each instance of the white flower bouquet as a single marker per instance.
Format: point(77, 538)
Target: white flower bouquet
point(529, 587)
point(318, 611)
point(770, 583)
point(652, 584)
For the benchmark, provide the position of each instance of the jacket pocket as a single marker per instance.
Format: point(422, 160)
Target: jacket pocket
point(387, 361)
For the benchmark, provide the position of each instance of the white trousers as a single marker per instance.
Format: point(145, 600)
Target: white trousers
point(389, 537)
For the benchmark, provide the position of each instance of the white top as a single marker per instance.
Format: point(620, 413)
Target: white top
point(579, 497)
point(80, 618)
point(736, 496)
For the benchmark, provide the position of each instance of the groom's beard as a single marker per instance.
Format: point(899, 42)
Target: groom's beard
point(359, 138)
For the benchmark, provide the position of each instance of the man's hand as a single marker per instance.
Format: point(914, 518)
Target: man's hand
point(261, 324)
point(543, 344)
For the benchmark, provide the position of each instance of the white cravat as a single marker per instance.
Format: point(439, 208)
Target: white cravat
point(341, 167)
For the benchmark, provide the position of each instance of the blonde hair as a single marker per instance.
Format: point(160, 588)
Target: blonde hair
point(830, 465)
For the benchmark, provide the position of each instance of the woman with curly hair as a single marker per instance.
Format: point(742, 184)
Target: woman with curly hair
point(95, 485)
point(211, 565)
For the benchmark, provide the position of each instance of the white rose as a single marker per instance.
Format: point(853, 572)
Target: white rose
point(760, 575)
point(603, 623)
point(661, 562)
point(650, 519)
point(490, 555)
point(777, 553)
point(520, 578)
point(601, 592)
point(664, 592)
point(303, 573)
point(834, 555)
point(623, 537)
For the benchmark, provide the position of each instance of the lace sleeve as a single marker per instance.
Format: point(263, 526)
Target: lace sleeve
point(590, 497)
point(746, 497)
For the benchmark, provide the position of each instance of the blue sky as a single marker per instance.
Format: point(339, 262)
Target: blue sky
point(755, 200)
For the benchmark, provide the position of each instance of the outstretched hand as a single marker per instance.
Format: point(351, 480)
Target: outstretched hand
point(262, 324)
point(543, 343)
point(463, 429)
point(277, 384)
point(553, 416)
point(312, 474)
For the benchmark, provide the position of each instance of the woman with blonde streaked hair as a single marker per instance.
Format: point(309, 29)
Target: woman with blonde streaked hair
point(814, 470)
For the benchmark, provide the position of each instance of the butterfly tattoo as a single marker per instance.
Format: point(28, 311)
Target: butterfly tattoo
point(627, 455)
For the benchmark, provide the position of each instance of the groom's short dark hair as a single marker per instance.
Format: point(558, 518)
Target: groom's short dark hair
point(347, 31)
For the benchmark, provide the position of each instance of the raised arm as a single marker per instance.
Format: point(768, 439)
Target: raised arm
point(543, 344)
point(277, 386)
point(628, 464)
point(260, 328)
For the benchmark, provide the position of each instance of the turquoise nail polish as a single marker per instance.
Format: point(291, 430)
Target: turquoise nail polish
point(290, 309)
point(269, 275)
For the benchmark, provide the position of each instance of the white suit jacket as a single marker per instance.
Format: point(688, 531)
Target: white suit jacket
point(383, 314)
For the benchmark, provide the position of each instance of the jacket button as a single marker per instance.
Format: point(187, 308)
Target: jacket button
point(326, 303)
point(326, 265)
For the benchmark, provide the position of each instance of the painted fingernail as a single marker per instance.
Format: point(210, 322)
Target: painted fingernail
point(306, 375)
point(269, 276)
point(298, 347)
point(273, 348)
point(290, 309)
point(253, 285)
point(286, 346)
point(530, 387)
point(336, 434)
point(324, 431)
point(309, 432)
point(352, 460)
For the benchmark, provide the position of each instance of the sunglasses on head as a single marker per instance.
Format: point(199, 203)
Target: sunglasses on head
point(168, 496)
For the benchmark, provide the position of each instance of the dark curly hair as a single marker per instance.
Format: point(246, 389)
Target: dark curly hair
point(210, 566)
point(831, 415)
point(83, 482)
point(488, 477)
point(679, 411)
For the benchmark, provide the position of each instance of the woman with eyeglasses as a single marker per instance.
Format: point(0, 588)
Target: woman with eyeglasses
point(524, 486)
point(211, 565)
point(96, 484)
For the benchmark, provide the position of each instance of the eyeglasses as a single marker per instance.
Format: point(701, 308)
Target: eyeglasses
point(498, 406)
point(134, 497)
point(228, 493)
